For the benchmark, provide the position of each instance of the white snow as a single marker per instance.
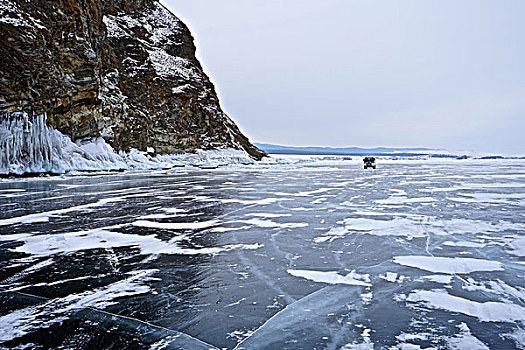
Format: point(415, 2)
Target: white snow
point(448, 265)
point(366, 345)
point(28, 145)
point(11, 14)
point(331, 235)
point(272, 224)
point(443, 279)
point(18, 322)
point(44, 216)
point(467, 244)
point(519, 337)
point(176, 225)
point(484, 197)
point(412, 226)
point(465, 340)
point(485, 312)
point(389, 276)
point(517, 246)
point(167, 65)
point(332, 277)
point(404, 200)
point(268, 215)
point(395, 227)
point(495, 287)
point(103, 238)
point(264, 201)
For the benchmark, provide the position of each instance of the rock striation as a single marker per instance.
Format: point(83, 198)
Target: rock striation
point(124, 70)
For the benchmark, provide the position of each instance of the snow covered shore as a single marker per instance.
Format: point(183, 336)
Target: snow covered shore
point(28, 145)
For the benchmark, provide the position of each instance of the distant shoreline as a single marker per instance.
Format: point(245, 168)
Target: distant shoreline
point(376, 152)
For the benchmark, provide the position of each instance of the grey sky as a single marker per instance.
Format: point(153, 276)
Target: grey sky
point(442, 73)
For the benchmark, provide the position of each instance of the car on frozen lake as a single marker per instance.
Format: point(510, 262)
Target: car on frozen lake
point(369, 162)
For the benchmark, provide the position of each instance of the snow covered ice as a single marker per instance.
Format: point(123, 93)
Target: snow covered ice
point(418, 254)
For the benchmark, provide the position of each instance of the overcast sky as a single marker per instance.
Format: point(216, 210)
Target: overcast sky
point(443, 74)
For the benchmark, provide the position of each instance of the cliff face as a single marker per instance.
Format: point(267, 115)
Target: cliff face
point(123, 70)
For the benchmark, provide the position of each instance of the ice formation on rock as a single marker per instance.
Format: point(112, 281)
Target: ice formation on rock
point(29, 145)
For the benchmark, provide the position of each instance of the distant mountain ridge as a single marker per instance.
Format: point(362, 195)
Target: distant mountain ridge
point(349, 151)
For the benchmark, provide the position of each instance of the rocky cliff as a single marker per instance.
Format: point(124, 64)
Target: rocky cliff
point(121, 69)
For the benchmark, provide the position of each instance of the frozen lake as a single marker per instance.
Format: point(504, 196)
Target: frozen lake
point(415, 254)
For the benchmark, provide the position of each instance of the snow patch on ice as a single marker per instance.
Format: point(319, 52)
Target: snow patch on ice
point(443, 279)
point(465, 340)
point(404, 200)
point(332, 277)
point(264, 201)
point(358, 346)
point(517, 246)
point(518, 336)
point(272, 224)
point(448, 265)
point(395, 227)
point(392, 277)
point(65, 243)
point(268, 215)
point(414, 226)
point(176, 225)
point(17, 323)
point(304, 193)
point(331, 235)
point(495, 287)
point(44, 216)
point(466, 244)
point(485, 312)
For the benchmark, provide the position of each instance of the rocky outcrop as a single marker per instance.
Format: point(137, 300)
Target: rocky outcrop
point(123, 70)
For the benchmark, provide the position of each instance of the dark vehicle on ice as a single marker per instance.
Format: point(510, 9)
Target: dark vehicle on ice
point(370, 162)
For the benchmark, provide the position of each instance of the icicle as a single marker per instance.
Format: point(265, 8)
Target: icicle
point(26, 144)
